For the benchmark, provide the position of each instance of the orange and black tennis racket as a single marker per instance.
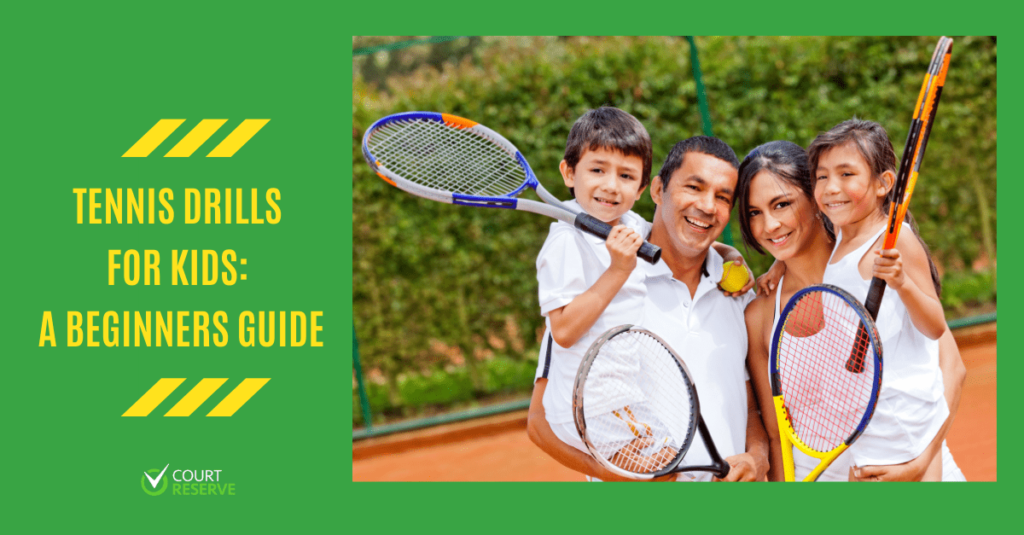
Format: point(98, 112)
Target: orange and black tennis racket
point(906, 178)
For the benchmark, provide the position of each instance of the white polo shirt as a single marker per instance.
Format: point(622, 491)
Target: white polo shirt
point(709, 333)
point(569, 263)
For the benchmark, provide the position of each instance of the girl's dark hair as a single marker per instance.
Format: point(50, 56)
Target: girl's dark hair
point(613, 129)
point(874, 146)
point(784, 159)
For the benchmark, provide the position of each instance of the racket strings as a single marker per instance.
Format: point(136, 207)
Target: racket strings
point(437, 156)
point(826, 402)
point(638, 406)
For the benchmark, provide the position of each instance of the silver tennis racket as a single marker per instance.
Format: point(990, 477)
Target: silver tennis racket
point(453, 160)
point(636, 408)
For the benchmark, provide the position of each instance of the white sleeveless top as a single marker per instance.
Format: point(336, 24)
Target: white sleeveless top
point(803, 464)
point(912, 405)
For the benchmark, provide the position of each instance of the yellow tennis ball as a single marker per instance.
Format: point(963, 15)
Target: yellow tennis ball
point(734, 277)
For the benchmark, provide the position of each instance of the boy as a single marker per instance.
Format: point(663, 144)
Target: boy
point(588, 285)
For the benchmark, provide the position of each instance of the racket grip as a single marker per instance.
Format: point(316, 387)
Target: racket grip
point(592, 225)
point(855, 363)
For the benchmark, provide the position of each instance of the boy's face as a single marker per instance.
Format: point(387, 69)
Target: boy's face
point(606, 183)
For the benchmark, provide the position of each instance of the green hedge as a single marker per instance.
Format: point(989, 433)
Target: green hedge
point(428, 275)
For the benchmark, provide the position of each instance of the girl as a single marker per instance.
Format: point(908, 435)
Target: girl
point(854, 166)
point(778, 215)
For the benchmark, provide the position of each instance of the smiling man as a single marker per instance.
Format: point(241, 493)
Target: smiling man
point(694, 192)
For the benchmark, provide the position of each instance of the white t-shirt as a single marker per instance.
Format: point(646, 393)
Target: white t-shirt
point(569, 263)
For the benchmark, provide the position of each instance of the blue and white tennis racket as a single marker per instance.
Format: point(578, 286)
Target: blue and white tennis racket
point(822, 406)
point(453, 160)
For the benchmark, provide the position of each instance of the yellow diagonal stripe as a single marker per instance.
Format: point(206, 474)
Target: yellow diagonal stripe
point(156, 135)
point(195, 397)
point(238, 397)
point(240, 136)
point(151, 399)
point(195, 138)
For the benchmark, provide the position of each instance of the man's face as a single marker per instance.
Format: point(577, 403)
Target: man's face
point(695, 207)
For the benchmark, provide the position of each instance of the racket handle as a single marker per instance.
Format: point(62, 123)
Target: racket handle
point(592, 225)
point(855, 363)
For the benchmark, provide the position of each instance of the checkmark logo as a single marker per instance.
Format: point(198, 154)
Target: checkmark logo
point(154, 481)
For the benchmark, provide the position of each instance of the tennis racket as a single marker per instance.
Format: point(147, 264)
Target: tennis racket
point(821, 406)
point(910, 166)
point(636, 408)
point(453, 160)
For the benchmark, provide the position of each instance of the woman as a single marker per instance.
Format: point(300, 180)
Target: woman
point(778, 216)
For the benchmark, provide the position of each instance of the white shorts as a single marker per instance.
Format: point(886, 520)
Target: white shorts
point(950, 471)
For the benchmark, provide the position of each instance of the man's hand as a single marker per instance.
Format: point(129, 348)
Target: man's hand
point(746, 287)
point(744, 467)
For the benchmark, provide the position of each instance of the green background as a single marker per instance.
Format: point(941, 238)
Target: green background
point(81, 84)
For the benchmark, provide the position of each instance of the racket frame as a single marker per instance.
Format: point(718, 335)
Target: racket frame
point(913, 154)
point(910, 165)
point(718, 467)
point(787, 433)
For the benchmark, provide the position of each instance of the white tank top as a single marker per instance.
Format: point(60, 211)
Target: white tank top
point(912, 406)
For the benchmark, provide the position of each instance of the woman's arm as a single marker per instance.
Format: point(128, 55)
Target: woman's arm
point(757, 365)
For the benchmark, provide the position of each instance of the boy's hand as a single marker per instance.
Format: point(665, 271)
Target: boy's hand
point(623, 243)
point(889, 267)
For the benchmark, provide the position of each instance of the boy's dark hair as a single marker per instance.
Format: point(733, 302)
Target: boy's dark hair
point(787, 161)
point(875, 147)
point(613, 129)
point(712, 146)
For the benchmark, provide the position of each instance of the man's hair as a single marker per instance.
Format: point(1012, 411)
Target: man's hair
point(613, 129)
point(712, 146)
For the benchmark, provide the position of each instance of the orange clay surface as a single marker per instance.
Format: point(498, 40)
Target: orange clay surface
point(497, 449)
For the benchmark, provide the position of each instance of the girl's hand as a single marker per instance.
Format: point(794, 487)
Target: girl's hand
point(766, 283)
point(889, 267)
point(622, 244)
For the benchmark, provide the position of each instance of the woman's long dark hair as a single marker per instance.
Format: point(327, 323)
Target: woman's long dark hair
point(787, 161)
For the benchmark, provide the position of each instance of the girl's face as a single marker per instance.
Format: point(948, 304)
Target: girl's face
point(782, 218)
point(845, 188)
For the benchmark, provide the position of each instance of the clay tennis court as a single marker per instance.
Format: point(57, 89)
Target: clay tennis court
point(497, 448)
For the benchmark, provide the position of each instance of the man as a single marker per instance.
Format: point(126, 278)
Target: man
point(694, 193)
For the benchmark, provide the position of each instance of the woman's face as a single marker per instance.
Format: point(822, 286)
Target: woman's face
point(782, 218)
